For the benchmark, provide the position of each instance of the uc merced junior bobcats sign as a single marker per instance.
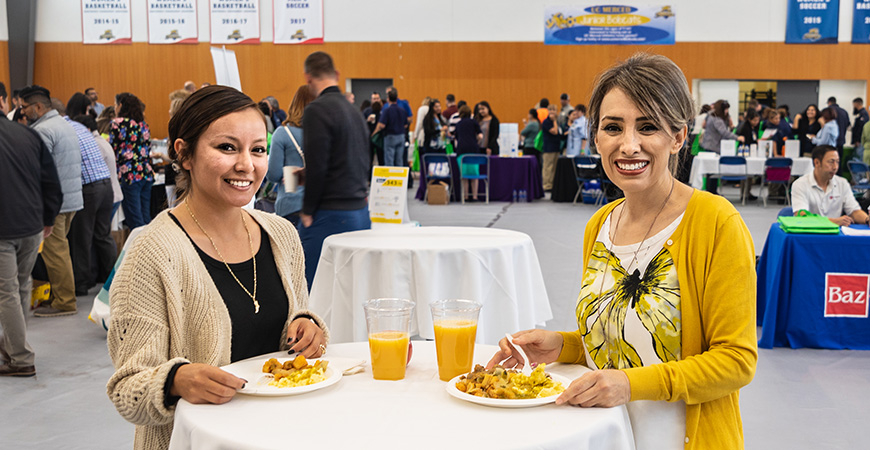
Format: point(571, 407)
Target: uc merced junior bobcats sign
point(609, 25)
point(846, 294)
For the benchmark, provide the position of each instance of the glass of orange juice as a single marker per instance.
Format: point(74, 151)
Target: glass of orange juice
point(455, 329)
point(388, 321)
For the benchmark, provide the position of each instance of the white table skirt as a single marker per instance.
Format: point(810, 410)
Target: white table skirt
point(361, 413)
point(707, 163)
point(498, 268)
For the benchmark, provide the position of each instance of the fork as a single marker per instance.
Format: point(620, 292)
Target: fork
point(527, 364)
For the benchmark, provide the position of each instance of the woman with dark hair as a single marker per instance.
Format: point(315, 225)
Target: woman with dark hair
point(666, 311)
point(131, 140)
point(104, 121)
point(529, 134)
point(807, 124)
point(78, 105)
point(716, 130)
point(468, 136)
point(434, 130)
point(489, 126)
point(208, 282)
point(749, 128)
point(287, 151)
point(829, 132)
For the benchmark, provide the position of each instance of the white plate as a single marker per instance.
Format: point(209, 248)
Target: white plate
point(258, 383)
point(506, 403)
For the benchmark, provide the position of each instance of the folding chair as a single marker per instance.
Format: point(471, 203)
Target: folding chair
point(479, 161)
point(860, 177)
point(436, 166)
point(785, 212)
point(733, 168)
point(586, 169)
point(776, 171)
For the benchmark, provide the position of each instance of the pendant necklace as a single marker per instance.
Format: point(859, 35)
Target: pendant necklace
point(253, 256)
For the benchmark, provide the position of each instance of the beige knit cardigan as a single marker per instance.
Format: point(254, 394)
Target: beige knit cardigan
point(166, 309)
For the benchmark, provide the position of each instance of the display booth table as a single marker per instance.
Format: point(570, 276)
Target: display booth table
point(506, 175)
point(707, 163)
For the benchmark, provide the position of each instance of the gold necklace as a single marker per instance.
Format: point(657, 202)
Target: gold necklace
point(253, 256)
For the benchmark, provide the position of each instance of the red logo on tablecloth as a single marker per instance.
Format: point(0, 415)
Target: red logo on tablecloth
point(846, 294)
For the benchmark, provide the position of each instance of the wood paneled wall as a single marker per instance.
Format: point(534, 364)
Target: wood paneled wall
point(512, 76)
point(4, 68)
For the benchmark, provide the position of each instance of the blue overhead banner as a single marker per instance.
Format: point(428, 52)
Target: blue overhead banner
point(812, 22)
point(609, 25)
point(861, 22)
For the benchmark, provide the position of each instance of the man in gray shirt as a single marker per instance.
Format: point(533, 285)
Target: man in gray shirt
point(61, 141)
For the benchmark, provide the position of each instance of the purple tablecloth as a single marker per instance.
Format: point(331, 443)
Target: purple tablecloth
point(505, 176)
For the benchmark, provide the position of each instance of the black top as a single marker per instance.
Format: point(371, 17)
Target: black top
point(466, 136)
point(31, 195)
point(337, 154)
point(842, 124)
point(552, 142)
point(804, 128)
point(253, 334)
point(749, 133)
point(492, 135)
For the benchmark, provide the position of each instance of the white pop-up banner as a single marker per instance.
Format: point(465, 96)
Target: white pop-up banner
point(172, 22)
point(235, 22)
point(106, 22)
point(297, 21)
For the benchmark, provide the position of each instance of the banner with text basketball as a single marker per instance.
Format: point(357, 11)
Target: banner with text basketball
point(812, 22)
point(235, 22)
point(846, 294)
point(861, 22)
point(172, 22)
point(609, 25)
point(106, 22)
point(297, 21)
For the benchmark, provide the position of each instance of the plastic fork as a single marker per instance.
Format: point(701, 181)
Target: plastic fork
point(527, 365)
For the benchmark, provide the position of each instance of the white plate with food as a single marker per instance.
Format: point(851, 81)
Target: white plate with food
point(548, 390)
point(283, 379)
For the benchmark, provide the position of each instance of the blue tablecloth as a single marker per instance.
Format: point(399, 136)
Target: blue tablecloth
point(792, 274)
point(505, 175)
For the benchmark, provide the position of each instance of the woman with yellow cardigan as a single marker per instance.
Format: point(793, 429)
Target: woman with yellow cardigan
point(666, 312)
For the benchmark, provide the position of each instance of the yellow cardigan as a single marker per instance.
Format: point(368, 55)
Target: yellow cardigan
point(715, 261)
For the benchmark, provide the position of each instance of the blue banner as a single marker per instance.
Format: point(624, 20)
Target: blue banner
point(861, 22)
point(812, 22)
point(609, 25)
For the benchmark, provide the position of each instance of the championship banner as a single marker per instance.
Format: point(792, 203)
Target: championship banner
point(812, 22)
point(106, 22)
point(609, 25)
point(172, 22)
point(235, 22)
point(297, 21)
point(861, 22)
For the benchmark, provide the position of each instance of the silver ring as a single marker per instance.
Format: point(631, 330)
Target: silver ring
point(322, 349)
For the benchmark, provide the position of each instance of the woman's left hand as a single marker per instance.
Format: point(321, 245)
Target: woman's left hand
point(605, 388)
point(306, 337)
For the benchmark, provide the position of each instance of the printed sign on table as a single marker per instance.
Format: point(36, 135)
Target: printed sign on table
point(235, 22)
point(106, 22)
point(812, 22)
point(389, 194)
point(608, 25)
point(298, 21)
point(846, 294)
point(861, 22)
point(172, 22)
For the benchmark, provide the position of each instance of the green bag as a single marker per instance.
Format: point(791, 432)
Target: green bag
point(539, 141)
point(696, 144)
point(811, 224)
point(378, 139)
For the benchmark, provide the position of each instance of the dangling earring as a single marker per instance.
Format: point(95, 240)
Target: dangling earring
point(176, 167)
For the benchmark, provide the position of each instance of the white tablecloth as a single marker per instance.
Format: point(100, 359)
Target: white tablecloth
point(498, 268)
point(707, 163)
point(361, 413)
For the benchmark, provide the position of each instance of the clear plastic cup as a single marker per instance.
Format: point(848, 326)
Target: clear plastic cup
point(388, 321)
point(455, 324)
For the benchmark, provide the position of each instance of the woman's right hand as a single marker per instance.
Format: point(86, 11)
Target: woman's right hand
point(202, 383)
point(541, 346)
point(741, 138)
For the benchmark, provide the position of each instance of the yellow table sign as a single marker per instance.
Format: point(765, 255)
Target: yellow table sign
point(389, 195)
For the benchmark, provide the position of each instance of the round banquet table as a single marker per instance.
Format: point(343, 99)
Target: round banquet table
point(359, 412)
point(498, 268)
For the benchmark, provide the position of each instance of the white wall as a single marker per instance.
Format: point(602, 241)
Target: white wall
point(710, 91)
point(462, 20)
point(845, 91)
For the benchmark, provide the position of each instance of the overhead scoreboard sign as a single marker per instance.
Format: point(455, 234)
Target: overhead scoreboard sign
point(861, 22)
point(812, 22)
point(235, 22)
point(106, 22)
point(172, 22)
point(297, 21)
point(609, 25)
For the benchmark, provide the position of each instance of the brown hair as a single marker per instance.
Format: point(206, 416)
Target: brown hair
point(828, 114)
point(320, 65)
point(464, 111)
point(193, 118)
point(657, 87)
point(300, 100)
point(176, 98)
point(130, 107)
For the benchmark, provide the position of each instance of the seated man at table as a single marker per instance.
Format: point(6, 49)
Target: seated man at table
point(825, 193)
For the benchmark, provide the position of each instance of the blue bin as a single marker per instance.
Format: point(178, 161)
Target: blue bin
point(591, 191)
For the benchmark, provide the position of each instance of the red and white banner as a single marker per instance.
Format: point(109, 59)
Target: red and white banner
point(235, 22)
point(297, 21)
point(846, 294)
point(172, 22)
point(106, 22)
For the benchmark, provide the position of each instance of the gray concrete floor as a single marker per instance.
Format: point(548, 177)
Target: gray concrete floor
point(800, 399)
